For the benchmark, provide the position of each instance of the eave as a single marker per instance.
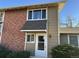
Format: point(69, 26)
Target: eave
point(38, 5)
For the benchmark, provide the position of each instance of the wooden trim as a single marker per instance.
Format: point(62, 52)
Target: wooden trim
point(25, 42)
point(33, 30)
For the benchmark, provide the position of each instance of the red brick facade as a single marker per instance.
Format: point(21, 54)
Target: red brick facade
point(12, 37)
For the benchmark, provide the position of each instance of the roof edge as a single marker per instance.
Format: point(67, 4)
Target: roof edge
point(61, 5)
point(20, 7)
point(34, 30)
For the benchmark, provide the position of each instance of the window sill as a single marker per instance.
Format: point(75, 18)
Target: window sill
point(30, 42)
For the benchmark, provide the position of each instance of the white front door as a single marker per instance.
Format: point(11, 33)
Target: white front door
point(41, 45)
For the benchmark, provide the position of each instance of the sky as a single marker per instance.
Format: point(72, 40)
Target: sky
point(14, 3)
point(71, 7)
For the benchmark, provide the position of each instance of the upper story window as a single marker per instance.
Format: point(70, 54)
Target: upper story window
point(38, 14)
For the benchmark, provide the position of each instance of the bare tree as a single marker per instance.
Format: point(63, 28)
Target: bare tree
point(69, 21)
point(77, 24)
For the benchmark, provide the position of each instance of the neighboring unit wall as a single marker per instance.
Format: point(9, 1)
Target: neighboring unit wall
point(69, 30)
point(12, 37)
point(52, 28)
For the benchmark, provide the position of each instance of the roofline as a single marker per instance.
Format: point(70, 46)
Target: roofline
point(61, 5)
point(20, 7)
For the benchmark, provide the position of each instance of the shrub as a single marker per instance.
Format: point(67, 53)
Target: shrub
point(4, 52)
point(64, 51)
point(21, 54)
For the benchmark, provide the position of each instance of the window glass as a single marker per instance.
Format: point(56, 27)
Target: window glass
point(37, 14)
point(32, 37)
point(1, 18)
point(43, 14)
point(73, 40)
point(30, 15)
point(41, 43)
point(28, 38)
point(63, 39)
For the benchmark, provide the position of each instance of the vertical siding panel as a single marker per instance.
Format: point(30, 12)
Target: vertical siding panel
point(52, 28)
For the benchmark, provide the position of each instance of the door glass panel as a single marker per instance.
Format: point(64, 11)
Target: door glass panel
point(32, 37)
point(40, 46)
point(41, 39)
point(40, 42)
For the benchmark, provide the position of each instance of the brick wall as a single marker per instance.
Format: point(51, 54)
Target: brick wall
point(12, 37)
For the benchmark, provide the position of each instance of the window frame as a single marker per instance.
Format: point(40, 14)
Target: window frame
point(68, 38)
point(32, 14)
point(2, 21)
point(30, 38)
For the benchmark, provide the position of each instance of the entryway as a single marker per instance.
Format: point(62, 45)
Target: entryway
point(41, 45)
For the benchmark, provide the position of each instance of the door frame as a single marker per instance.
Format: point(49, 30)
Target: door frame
point(46, 42)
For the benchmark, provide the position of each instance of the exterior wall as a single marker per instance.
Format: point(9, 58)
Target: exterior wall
point(31, 47)
point(69, 30)
point(52, 28)
point(12, 37)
